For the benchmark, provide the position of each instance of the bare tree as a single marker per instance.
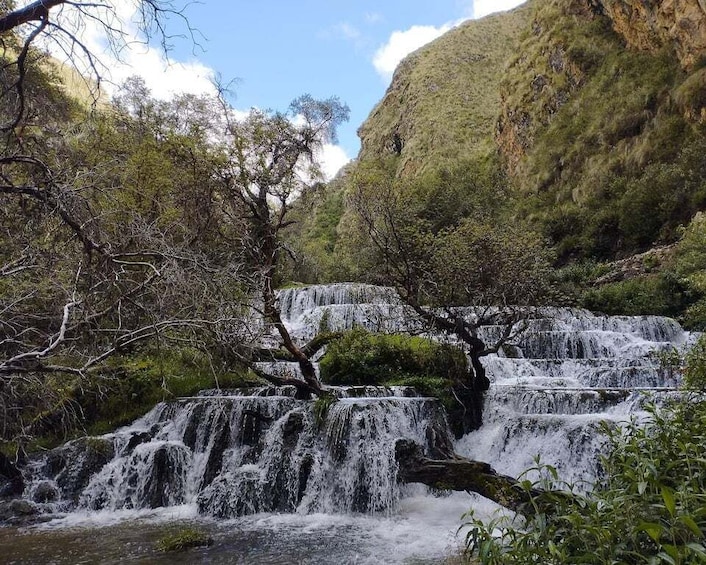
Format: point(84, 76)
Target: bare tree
point(469, 275)
point(272, 160)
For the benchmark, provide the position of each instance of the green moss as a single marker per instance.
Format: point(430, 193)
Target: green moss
point(363, 358)
point(184, 539)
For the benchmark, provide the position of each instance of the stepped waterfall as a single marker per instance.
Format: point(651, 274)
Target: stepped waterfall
point(299, 488)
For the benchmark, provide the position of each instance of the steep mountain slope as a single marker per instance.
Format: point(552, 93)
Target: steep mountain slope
point(601, 123)
point(443, 101)
point(596, 107)
point(592, 112)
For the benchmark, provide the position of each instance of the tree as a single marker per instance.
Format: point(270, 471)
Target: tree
point(271, 160)
point(442, 243)
point(115, 240)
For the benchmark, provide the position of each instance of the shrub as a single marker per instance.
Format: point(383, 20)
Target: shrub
point(363, 358)
point(695, 371)
point(663, 295)
point(649, 508)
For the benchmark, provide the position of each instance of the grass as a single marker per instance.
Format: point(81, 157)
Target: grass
point(183, 539)
point(444, 98)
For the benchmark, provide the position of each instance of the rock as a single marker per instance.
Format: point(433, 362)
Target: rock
point(20, 507)
point(651, 25)
point(45, 491)
point(11, 481)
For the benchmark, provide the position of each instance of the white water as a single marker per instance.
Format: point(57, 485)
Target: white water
point(259, 463)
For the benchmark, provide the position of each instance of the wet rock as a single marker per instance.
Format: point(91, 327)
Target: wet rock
point(135, 440)
point(44, 492)
point(21, 507)
point(73, 464)
point(11, 482)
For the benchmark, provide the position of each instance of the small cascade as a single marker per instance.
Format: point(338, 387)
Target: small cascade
point(235, 455)
point(340, 307)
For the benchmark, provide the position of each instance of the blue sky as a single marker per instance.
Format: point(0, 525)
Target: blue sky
point(280, 49)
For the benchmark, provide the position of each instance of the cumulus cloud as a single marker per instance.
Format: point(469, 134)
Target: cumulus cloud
point(484, 7)
point(402, 43)
point(132, 56)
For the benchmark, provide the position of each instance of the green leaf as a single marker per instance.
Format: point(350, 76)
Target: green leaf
point(667, 558)
point(690, 523)
point(668, 497)
point(652, 529)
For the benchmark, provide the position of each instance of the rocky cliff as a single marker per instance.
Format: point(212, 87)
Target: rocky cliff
point(650, 25)
point(596, 107)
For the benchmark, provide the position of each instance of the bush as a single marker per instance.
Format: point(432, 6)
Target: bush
point(363, 358)
point(662, 295)
point(695, 371)
point(650, 507)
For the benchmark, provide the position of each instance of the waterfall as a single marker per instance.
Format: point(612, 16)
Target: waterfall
point(229, 454)
point(235, 455)
point(570, 372)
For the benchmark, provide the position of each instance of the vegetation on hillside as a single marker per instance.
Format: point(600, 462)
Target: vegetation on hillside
point(611, 159)
point(599, 148)
point(442, 104)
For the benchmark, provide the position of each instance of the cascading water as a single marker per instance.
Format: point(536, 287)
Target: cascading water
point(571, 371)
point(249, 456)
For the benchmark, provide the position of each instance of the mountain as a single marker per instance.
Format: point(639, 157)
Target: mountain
point(596, 108)
point(593, 111)
point(443, 101)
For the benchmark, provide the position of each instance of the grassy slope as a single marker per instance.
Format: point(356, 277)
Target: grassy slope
point(443, 100)
point(602, 140)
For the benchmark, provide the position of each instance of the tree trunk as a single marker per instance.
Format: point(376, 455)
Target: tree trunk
point(458, 473)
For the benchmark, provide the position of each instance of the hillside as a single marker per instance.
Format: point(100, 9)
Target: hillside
point(443, 101)
point(593, 113)
point(597, 111)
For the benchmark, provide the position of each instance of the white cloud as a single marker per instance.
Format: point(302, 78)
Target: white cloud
point(347, 31)
point(484, 7)
point(402, 43)
point(162, 75)
point(165, 77)
point(332, 158)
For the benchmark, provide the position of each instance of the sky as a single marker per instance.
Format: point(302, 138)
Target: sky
point(277, 50)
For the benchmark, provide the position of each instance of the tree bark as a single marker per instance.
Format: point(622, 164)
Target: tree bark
point(38, 10)
point(459, 473)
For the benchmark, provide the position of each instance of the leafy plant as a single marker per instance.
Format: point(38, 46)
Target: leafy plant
point(649, 507)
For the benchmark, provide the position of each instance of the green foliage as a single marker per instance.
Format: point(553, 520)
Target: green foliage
point(132, 385)
point(650, 507)
point(663, 294)
point(321, 407)
point(610, 136)
point(183, 539)
point(363, 358)
point(695, 370)
point(690, 265)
